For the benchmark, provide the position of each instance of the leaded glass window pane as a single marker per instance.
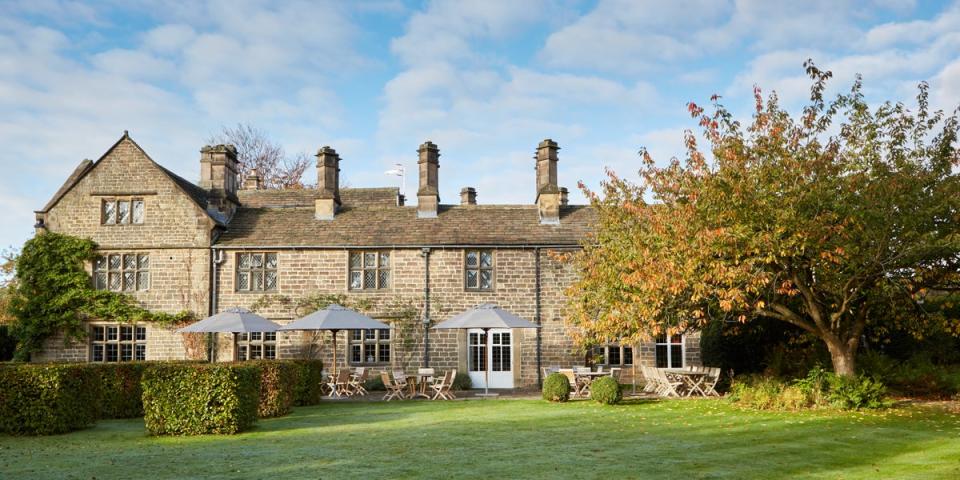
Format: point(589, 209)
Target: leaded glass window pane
point(271, 260)
point(143, 280)
point(369, 260)
point(355, 280)
point(109, 212)
point(114, 262)
point(355, 260)
point(270, 280)
point(486, 259)
point(384, 279)
point(115, 281)
point(369, 280)
point(243, 281)
point(100, 281)
point(384, 260)
point(123, 212)
point(486, 282)
point(129, 281)
point(471, 279)
point(472, 259)
point(137, 212)
point(144, 261)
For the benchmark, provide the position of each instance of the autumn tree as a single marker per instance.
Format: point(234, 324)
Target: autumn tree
point(841, 219)
point(256, 151)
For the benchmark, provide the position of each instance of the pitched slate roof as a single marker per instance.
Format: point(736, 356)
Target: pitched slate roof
point(385, 197)
point(370, 226)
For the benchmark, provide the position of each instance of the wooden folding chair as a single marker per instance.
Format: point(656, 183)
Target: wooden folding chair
point(574, 383)
point(668, 386)
point(710, 384)
point(394, 390)
point(441, 388)
point(340, 385)
point(357, 380)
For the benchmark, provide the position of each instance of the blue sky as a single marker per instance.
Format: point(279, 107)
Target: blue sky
point(485, 80)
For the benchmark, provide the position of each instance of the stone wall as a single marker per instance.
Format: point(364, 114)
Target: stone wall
point(309, 272)
point(175, 234)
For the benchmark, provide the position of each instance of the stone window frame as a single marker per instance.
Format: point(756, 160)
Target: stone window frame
point(366, 339)
point(128, 342)
point(670, 347)
point(131, 208)
point(104, 270)
point(264, 343)
point(382, 274)
point(479, 269)
point(251, 270)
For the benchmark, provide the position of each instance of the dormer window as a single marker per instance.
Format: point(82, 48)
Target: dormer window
point(122, 211)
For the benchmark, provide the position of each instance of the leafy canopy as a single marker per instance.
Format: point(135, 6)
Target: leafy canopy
point(843, 218)
point(51, 292)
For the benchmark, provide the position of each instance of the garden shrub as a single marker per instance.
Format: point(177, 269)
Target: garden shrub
point(195, 399)
point(278, 387)
point(818, 389)
point(374, 383)
point(120, 391)
point(917, 376)
point(310, 374)
point(556, 388)
point(43, 399)
point(606, 390)
point(462, 382)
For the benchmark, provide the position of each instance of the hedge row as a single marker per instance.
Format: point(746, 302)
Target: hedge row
point(199, 399)
point(48, 399)
point(176, 398)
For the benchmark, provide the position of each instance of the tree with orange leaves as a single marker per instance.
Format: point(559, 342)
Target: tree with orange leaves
point(844, 219)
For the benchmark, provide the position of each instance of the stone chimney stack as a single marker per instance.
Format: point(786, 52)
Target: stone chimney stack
point(428, 195)
point(564, 197)
point(548, 193)
point(253, 181)
point(468, 196)
point(218, 175)
point(328, 183)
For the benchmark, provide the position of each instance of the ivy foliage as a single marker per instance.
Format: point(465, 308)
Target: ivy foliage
point(52, 292)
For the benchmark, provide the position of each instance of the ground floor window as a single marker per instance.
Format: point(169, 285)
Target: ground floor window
point(477, 347)
point(256, 346)
point(614, 355)
point(118, 343)
point(669, 352)
point(370, 347)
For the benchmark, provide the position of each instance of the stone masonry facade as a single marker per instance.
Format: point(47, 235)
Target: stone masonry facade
point(190, 231)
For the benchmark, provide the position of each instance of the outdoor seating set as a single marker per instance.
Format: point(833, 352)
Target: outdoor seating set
point(346, 383)
point(424, 384)
point(681, 382)
point(581, 377)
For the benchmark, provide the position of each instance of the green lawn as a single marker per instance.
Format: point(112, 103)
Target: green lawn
point(514, 438)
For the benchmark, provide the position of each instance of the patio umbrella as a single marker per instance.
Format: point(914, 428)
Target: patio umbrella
point(234, 320)
point(335, 318)
point(485, 317)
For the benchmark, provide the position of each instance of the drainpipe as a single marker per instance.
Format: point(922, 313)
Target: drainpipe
point(216, 259)
point(425, 253)
point(536, 314)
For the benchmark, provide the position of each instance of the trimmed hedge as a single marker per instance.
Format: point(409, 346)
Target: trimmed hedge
point(606, 391)
point(195, 399)
point(278, 387)
point(309, 377)
point(556, 388)
point(462, 382)
point(120, 390)
point(38, 399)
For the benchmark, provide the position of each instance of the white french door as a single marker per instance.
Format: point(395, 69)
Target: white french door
point(494, 349)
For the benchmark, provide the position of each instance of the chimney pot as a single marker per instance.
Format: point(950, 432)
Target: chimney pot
point(564, 196)
point(548, 193)
point(253, 181)
point(468, 196)
point(328, 183)
point(428, 195)
point(218, 175)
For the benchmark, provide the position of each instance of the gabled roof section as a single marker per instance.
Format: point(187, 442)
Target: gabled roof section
point(192, 191)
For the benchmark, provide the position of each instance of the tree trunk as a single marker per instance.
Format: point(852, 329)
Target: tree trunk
point(844, 358)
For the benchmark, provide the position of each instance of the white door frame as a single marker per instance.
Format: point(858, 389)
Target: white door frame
point(497, 337)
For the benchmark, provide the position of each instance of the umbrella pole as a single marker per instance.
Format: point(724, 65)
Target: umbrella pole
point(334, 332)
point(487, 353)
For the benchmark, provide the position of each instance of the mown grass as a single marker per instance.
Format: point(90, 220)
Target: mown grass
point(515, 439)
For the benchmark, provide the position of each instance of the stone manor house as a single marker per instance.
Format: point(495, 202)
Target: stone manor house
point(227, 242)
